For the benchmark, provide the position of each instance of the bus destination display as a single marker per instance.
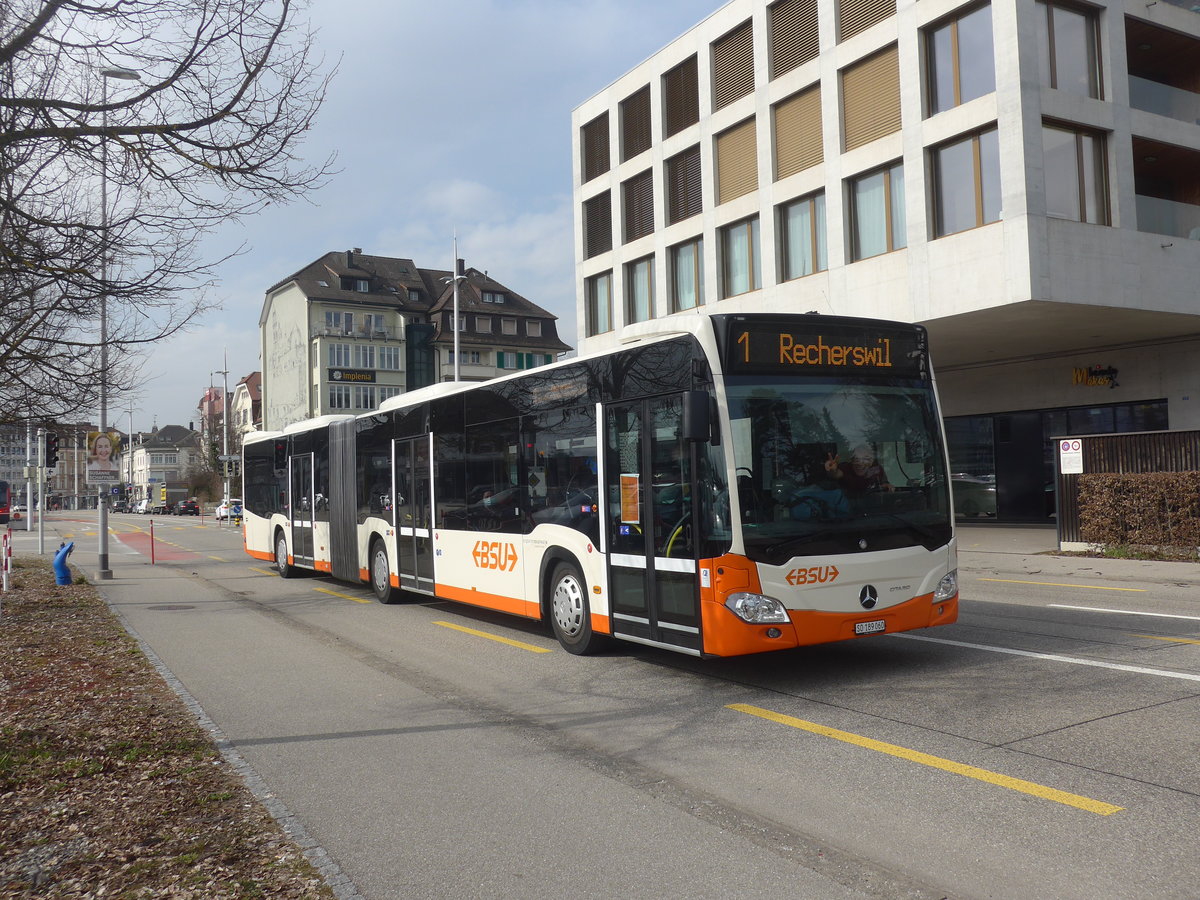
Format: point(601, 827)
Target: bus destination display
point(826, 348)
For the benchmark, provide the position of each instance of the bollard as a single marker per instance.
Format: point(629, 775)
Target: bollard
point(62, 573)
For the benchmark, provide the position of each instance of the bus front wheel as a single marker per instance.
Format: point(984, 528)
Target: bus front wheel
point(281, 556)
point(570, 613)
point(381, 575)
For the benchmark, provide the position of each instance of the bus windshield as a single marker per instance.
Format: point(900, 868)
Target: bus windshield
point(837, 465)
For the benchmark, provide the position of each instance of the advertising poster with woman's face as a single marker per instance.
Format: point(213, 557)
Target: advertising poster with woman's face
point(102, 457)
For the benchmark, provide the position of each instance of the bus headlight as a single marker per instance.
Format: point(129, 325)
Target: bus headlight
point(756, 608)
point(947, 587)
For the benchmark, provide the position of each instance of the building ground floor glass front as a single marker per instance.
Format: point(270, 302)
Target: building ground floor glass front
point(1002, 464)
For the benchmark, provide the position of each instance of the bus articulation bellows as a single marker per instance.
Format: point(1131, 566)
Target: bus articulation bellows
point(717, 486)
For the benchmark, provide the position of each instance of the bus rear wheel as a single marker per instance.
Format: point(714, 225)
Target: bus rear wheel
point(281, 556)
point(381, 574)
point(570, 613)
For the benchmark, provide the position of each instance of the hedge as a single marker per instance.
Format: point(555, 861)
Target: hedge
point(1160, 509)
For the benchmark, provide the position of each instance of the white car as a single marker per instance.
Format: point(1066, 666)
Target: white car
point(143, 506)
point(223, 511)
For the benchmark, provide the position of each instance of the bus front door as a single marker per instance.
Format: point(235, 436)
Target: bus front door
point(651, 543)
point(302, 502)
point(414, 553)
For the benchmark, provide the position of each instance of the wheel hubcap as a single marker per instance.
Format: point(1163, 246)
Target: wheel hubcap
point(381, 572)
point(568, 606)
point(281, 553)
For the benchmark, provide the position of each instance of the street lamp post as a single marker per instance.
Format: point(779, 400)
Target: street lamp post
point(105, 572)
point(224, 373)
point(455, 277)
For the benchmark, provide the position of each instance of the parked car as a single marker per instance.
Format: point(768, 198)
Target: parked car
point(162, 508)
point(187, 508)
point(142, 506)
point(120, 506)
point(226, 507)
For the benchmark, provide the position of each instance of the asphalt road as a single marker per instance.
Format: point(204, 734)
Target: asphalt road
point(1047, 745)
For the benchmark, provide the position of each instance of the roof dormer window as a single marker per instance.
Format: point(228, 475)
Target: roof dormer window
point(493, 297)
point(360, 285)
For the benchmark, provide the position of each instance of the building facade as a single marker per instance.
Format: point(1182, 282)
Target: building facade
point(350, 330)
point(161, 463)
point(1020, 176)
point(245, 409)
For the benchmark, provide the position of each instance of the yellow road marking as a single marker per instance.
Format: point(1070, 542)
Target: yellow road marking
point(1093, 587)
point(1027, 787)
point(217, 558)
point(343, 596)
point(494, 637)
point(1155, 637)
point(263, 571)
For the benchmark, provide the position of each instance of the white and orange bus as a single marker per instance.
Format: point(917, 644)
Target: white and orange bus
point(717, 486)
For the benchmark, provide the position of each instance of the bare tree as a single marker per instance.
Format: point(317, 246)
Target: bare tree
point(208, 132)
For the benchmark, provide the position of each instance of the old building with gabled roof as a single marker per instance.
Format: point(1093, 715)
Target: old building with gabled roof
point(350, 330)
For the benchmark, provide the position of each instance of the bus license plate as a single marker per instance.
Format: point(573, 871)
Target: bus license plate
point(870, 627)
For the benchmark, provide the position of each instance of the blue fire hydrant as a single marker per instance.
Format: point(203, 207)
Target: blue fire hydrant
point(62, 573)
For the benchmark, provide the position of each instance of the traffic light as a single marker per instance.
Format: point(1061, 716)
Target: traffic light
point(51, 450)
point(281, 456)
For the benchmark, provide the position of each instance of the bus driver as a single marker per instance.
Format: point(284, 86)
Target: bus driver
point(860, 475)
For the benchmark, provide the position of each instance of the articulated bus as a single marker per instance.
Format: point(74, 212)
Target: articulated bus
point(5, 500)
point(718, 485)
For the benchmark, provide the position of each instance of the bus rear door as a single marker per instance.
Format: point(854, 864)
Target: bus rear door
point(651, 546)
point(301, 502)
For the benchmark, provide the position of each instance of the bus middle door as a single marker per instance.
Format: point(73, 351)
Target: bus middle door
point(303, 501)
point(651, 543)
point(414, 562)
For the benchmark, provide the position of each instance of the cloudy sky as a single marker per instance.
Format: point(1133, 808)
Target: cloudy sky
point(444, 115)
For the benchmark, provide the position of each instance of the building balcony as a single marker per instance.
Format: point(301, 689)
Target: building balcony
point(387, 333)
point(1167, 188)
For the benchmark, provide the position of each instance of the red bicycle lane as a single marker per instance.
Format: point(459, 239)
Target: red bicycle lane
point(162, 552)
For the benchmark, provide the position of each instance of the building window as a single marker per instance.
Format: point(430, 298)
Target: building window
point(364, 356)
point(733, 65)
point(636, 135)
point(959, 55)
point(462, 322)
point(740, 258)
point(493, 297)
point(799, 142)
point(1076, 174)
point(871, 99)
point(469, 357)
point(339, 396)
point(508, 326)
point(593, 147)
point(483, 324)
point(373, 324)
point(364, 396)
point(877, 212)
point(684, 187)
point(360, 285)
point(687, 275)
point(387, 393)
point(598, 303)
point(339, 355)
point(1068, 41)
point(737, 162)
point(414, 295)
point(638, 193)
point(339, 322)
point(856, 16)
point(533, 328)
point(681, 97)
point(639, 290)
point(802, 235)
point(389, 358)
point(597, 225)
point(966, 183)
point(794, 39)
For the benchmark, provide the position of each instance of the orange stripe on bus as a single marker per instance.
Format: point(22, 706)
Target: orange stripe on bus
point(515, 605)
point(261, 554)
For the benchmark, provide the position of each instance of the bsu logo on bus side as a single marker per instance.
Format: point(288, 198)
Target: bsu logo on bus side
point(495, 555)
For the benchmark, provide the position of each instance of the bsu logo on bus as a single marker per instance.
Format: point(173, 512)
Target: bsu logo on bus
point(495, 555)
point(814, 575)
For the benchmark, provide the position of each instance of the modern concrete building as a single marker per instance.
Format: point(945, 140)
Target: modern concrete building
point(350, 330)
point(1021, 176)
